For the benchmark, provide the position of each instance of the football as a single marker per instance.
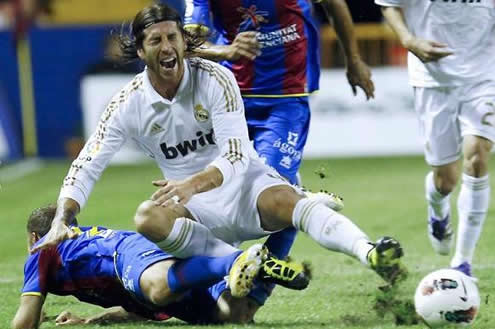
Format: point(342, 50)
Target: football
point(447, 297)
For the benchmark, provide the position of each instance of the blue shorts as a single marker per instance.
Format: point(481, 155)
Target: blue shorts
point(279, 129)
point(135, 254)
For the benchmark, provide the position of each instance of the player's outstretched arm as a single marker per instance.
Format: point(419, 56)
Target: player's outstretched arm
point(425, 50)
point(112, 315)
point(245, 45)
point(358, 73)
point(67, 209)
point(29, 313)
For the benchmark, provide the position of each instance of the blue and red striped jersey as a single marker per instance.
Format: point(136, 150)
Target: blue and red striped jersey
point(84, 268)
point(289, 64)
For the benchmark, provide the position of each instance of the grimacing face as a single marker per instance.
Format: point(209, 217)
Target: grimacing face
point(163, 52)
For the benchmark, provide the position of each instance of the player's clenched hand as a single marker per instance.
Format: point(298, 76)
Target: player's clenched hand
point(358, 74)
point(245, 44)
point(67, 318)
point(172, 192)
point(58, 232)
point(427, 50)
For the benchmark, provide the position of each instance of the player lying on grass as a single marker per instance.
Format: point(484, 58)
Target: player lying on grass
point(188, 114)
point(120, 268)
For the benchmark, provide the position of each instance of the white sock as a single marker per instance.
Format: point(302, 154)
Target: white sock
point(189, 238)
point(330, 229)
point(472, 205)
point(438, 204)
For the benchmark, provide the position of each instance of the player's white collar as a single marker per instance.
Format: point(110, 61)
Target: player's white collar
point(155, 99)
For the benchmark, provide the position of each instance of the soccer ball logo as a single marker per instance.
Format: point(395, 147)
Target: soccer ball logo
point(447, 297)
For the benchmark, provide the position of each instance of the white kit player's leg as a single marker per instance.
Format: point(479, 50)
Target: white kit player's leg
point(189, 238)
point(330, 229)
point(472, 204)
point(439, 227)
point(177, 235)
point(336, 232)
point(474, 197)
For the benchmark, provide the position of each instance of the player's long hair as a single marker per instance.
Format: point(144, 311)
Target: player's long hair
point(132, 35)
point(40, 220)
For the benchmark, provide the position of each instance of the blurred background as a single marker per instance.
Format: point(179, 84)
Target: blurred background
point(57, 73)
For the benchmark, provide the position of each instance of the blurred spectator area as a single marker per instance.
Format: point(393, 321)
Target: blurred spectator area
point(93, 11)
point(377, 43)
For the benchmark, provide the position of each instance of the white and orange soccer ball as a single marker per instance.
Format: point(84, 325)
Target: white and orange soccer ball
point(447, 297)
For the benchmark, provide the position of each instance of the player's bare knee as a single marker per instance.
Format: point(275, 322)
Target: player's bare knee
point(144, 215)
point(276, 205)
point(476, 154)
point(159, 296)
point(446, 180)
point(154, 222)
point(476, 164)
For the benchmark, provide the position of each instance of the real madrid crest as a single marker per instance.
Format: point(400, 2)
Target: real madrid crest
point(200, 113)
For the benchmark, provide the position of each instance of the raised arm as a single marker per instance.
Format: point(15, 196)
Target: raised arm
point(29, 312)
point(358, 72)
point(425, 50)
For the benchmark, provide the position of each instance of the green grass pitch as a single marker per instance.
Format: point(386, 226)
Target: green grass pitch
point(384, 196)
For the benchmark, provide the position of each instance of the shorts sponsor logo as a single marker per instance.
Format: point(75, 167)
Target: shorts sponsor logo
point(147, 253)
point(288, 148)
point(286, 162)
point(128, 284)
point(292, 138)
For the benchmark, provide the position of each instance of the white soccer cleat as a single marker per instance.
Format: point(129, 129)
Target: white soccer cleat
point(245, 269)
point(330, 200)
point(441, 235)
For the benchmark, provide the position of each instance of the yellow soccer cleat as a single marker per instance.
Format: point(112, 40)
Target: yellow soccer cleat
point(384, 259)
point(292, 275)
point(245, 269)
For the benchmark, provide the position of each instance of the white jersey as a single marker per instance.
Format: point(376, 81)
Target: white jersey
point(466, 26)
point(203, 125)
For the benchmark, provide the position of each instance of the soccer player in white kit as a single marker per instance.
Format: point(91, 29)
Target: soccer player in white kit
point(187, 114)
point(451, 64)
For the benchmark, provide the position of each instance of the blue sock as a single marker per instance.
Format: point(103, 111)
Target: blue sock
point(199, 271)
point(279, 244)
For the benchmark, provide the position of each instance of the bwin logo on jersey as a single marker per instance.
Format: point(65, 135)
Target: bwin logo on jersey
point(172, 152)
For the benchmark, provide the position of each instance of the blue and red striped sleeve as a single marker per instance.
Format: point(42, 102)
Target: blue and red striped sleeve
point(37, 270)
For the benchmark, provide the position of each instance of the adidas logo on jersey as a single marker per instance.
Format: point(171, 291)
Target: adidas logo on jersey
point(155, 129)
point(183, 149)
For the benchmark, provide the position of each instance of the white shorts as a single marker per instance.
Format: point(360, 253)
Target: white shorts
point(230, 211)
point(447, 114)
